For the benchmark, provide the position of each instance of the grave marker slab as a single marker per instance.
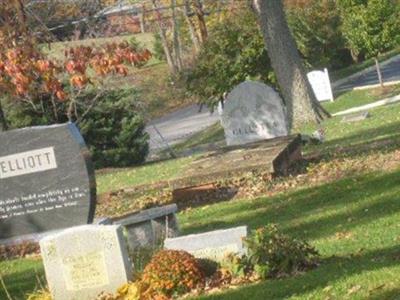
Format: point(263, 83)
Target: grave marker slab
point(252, 112)
point(274, 156)
point(212, 245)
point(356, 117)
point(46, 180)
point(81, 262)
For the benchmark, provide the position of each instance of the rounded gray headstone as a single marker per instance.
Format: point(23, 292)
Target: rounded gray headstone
point(46, 180)
point(253, 111)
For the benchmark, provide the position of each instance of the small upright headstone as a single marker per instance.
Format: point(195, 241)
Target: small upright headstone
point(83, 261)
point(46, 180)
point(321, 85)
point(212, 245)
point(253, 111)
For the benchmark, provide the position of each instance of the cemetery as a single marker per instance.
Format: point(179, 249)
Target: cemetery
point(219, 152)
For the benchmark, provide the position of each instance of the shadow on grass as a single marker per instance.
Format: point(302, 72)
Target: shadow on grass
point(362, 198)
point(363, 141)
point(393, 294)
point(331, 270)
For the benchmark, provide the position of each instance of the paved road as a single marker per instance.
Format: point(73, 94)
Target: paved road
point(390, 72)
point(178, 126)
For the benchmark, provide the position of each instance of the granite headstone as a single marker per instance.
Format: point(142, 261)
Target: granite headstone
point(83, 261)
point(46, 180)
point(149, 227)
point(212, 245)
point(253, 111)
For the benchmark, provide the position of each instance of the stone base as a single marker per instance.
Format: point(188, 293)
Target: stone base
point(273, 156)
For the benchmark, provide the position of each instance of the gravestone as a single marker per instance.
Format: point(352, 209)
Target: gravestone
point(253, 111)
point(46, 180)
point(149, 227)
point(81, 262)
point(356, 117)
point(212, 245)
point(321, 85)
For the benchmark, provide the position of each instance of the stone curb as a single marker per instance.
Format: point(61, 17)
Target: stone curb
point(383, 102)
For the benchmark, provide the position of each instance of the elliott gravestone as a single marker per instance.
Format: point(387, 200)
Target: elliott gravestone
point(252, 112)
point(46, 180)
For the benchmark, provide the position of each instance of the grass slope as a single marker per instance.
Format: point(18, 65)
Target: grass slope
point(353, 221)
point(354, 224)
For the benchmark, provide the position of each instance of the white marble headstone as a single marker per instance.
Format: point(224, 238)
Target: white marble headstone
point(321, 84)
point(253, 111)
point(81, 262)
point(212, 245)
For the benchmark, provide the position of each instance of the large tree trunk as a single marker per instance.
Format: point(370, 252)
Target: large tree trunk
point(164, 41)
point(302, 106)
point(198, 7)
point(3, 121)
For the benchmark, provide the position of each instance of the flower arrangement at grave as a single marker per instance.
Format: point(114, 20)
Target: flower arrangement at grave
point(172, 272)
point(270, 254)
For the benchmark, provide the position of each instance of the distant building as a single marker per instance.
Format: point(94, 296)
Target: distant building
point(122, 18)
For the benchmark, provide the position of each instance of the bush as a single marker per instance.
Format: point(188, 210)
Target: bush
point(234, 52)
point(316, 27)
point(172, 273)
point(237, 265)
point(273, 254)
point(158, 50)
point(113, 129)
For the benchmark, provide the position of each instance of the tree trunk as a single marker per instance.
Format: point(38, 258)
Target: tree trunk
point(176, 40)
point(142, 19)
point(192, 28)
point(198, 6)
point(19, 5)
point(301, 104)
point(378, 70)
point(3, 121)
point(164, 41)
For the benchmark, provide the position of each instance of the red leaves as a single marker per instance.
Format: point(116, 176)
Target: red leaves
point(24, 71)
point(79, 81)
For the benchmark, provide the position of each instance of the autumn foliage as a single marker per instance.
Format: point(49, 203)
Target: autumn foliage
point(27, 74)
point(172, 272)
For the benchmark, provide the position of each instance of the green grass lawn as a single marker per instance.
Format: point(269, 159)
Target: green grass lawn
point(21, 277)
point(360, 97)
point(112, 180)
point(354, 221)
